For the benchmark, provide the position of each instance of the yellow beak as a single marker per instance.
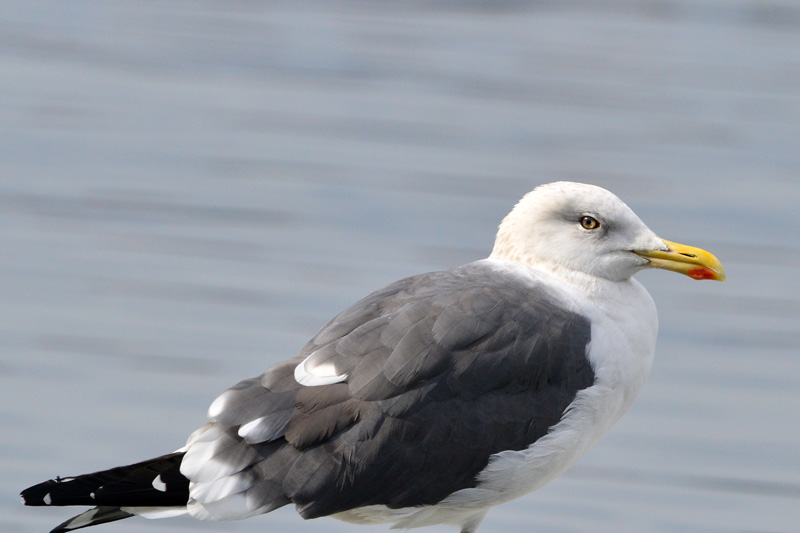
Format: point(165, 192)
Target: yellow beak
point(693, 262)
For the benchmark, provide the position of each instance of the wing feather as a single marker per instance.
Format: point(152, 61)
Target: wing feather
point(441, 371)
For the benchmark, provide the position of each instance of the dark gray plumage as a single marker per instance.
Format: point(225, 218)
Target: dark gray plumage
point(443, 370)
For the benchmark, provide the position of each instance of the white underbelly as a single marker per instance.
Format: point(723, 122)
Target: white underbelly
point(511, 474)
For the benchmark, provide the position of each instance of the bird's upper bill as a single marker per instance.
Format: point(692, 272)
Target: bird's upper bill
point(693, 262)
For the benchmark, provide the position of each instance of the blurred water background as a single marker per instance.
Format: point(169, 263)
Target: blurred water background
point(189, 190)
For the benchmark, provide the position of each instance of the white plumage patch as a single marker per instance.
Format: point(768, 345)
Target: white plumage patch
point(217, 407)
point(313, 372)
point(201, 448)
point(266, 428)
point(247, 431)
point(219, 488)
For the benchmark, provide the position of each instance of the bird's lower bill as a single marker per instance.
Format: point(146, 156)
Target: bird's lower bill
point(688, 260)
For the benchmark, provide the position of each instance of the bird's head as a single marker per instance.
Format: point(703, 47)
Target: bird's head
point(585, 228)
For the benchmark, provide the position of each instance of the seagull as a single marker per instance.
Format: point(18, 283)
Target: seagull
point(435, 398)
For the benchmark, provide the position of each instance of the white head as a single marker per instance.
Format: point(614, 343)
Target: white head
point(575, 227)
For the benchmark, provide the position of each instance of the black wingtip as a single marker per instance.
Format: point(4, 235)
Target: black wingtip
point(122, 486)
point(39, 494)
point(60, 491)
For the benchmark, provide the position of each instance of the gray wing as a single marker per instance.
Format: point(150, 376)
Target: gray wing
point(431, 376)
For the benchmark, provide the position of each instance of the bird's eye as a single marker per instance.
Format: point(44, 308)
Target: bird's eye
point(588, 222)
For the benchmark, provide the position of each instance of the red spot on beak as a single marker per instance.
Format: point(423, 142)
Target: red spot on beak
point(702, 273)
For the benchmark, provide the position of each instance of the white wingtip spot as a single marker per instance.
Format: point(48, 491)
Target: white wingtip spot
point(159, 484)
point(47, 499)
point(323, 374)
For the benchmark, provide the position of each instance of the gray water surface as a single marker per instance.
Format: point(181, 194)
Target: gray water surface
point(189, 190)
